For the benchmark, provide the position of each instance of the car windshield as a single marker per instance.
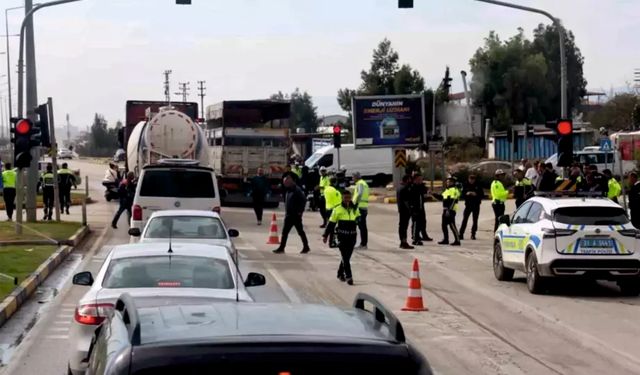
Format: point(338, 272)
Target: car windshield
point(185, 227)
point(585, 215)
point(178, 183)
point(170, 271)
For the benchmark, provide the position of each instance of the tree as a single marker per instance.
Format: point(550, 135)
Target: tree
point(617, 113)
point(101, 140)
point(303, 113)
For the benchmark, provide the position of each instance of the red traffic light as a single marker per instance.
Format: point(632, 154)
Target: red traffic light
point(337, 129)
point(23, 127)
point(564, 127)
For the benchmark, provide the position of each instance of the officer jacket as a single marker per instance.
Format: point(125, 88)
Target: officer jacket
point(9, 179)
point(343, 221)
point(472, 200)
point(450, 198)
point(66, 178)
point(523, 189)
point(332, 197)
point(498, 192)
point(324, 182)
point(361, 195)
point(47, 179)
point(614, 188)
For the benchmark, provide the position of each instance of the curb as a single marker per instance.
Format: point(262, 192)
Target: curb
point(28, 286)
point(74, 202)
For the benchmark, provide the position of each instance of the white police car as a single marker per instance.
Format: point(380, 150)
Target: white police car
point(551, 237)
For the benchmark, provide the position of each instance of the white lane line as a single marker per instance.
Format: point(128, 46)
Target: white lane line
point(62, 322)
point(70, 305)
point(64, 316)
point(59, 329)
point(57, 337)
point(68, 309)
point(286, 288)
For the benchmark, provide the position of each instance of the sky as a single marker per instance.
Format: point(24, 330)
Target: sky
point(94, 55)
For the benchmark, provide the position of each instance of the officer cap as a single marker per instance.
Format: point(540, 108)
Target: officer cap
point(499, 172)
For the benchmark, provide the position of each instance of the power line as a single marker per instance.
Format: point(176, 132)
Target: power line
point(201, 94)
point(167, 86)
point(184, 90)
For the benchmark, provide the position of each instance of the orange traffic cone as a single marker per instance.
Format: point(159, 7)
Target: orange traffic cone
point(414, 299)
point(273, 232)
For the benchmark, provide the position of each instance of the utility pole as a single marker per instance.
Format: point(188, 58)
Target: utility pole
point(184, 90)
point(167, 86)
point(201, 94)
point(68, 132)
point(32, 102)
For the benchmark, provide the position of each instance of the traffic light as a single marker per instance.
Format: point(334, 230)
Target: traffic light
point(41, 130)
point(22, 130)
point(564, 134)
point(337, 140)
point(405, 3)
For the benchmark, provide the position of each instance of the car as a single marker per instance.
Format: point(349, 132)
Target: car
point(489, 167)
point(174, 184)
point(168, 270)
point(149, 336)
point(187, 226)
point(120, 155)
point(65, 153)
point(552, 237)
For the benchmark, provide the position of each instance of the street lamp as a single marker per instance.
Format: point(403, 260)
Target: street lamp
point(6, 23)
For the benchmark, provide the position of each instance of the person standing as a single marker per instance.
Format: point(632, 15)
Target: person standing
point(472, 193)
point(403, 198)
point(361, 201)
point(614, 189)
point(523, 188)
point(332, 198)
point(532, 173)
point(499, 196)
point(419, 215)
point(48, 192)
point(9, 177)
point(66, 180)
point(548, 179)
point(450, 197)
point(343, 222)
point(126, 191)
point(259, 190)
point(324, 182)
point(634, 199)
point(295, 202)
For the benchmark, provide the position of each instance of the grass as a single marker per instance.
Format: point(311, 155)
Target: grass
point(55, 230)
point(20, 262)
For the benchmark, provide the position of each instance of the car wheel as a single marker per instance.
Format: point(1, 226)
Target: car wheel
point(501, 273)
point(630, 288)
point(535, 282)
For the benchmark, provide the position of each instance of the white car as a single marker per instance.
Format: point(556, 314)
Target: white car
point(65, 153)
point(187, 226)
point(568, 237)
point(189, 270)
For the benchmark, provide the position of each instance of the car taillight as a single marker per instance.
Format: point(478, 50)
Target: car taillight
point(137, 212)
point(216, 209)
point(552, 233)
point(629, 232)
point(92, 313)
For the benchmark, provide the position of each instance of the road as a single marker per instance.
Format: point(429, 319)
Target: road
point(475, 324)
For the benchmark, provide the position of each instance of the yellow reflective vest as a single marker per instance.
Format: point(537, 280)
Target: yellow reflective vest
point(345, 220)
point(614, 188)
point(9, 178)
point(332, 197)
point(361, 196)
point(450, 198)
point(324, 182)
point(498, 193)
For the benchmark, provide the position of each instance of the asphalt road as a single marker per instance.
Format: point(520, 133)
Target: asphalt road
point(475, 324)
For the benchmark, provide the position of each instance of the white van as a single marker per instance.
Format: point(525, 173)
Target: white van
point(374, 164)
point(174, 185)
point(592, 155)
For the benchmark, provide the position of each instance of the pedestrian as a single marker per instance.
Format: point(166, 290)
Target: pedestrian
point(472, 193)
point(419, 215)
point(295, 202)
point(523, 188)
point(450, 197)
point(614, 189)
point(9, 176)
point(66, 180)
point(361, 201)
point(343, 222)
point(403, 198)
point(126, 192)
point(332, 198)
point(322, 184)
point(48, 194)
point(499, 196)
point(532, 173)
point(259, 191)
point(634, 199)
point(548, 180)
point(575, 176)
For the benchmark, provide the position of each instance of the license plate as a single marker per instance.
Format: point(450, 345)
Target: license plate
point(596, 246)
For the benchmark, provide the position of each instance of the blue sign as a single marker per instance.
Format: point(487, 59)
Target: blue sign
point(388, 121)
point(605, 145)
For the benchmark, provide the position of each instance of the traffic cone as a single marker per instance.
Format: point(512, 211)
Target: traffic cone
point(414, 299)
point(273, 232)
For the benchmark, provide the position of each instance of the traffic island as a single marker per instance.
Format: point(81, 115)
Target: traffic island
point(25, 262)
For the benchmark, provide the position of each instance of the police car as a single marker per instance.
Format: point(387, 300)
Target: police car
point(551, 237)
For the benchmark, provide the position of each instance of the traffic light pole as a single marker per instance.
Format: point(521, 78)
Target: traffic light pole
point(54, 159)
point(19, 200)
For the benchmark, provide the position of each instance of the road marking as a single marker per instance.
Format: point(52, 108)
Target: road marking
point(57, 337)
point(62, 322)
point(286, 288)
point(64, 316)
point(59, 329)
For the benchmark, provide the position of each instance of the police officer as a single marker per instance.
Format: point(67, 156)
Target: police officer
point(614, 188)
point(498, 196)
point(403, 198)
point(332, 198)
point(48, 192)
point(361, 201)
point(472, 193)
point(297, 169)
point(343, 221)
point(523, 188)
point(66, 180)
point(324, 182)
point(450, 197)
point(419, 215)
point(9, 189)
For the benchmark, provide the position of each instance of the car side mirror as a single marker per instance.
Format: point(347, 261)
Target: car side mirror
point(233, 233)
point(83, 278)
point(255, 279)
point(504, 219)
point(135, 232)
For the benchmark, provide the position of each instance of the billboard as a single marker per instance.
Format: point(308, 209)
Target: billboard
point(388, 121)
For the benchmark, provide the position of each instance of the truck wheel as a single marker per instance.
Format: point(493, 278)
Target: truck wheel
point(629, 288)
point(535, 282)
point(501, 273)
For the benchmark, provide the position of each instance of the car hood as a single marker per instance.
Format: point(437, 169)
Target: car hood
point(111, 295)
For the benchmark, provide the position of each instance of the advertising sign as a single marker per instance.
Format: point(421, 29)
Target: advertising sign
point(388, 121)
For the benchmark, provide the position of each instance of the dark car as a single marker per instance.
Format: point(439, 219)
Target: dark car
point(150, 336)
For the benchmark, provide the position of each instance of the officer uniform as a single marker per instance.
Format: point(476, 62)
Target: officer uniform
point(48, 194)
point(332, 198)
point(418, 214)
point(471, 207)
point(324, 182)
point(66, 179)
point(343, 221)
point(9, 191)
point(361, 201)
point(614, 189)
point(498, 196)
point(522, 190)
point(450, 199)
point(297, 170)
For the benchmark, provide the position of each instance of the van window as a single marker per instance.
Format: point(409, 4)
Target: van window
point(595, 158)
point(326, 161)
point(179, 183)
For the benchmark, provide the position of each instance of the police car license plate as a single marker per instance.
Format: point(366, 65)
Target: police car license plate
point(596, 246)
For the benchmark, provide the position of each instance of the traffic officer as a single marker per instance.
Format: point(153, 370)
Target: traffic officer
point(523, 188)
point(614, 188)
point(66, 180)
point(472, 193)
point(634, 199)
point(324, 182)
point(9, 176)
point(332, 198)
point(343, 222)
point(48, 192)
point(361, 201)
point(295, 168)
point(403, 198)
point(450, 197)
point(498, 196)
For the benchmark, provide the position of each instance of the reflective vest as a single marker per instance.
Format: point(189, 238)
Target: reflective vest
point(47, 179)
point(332, 197)
point(345, 220)
point(498, 193)
point(297, 170)
point(614, 188)
point(9, 178)
point(450, 198)
point(361, 196)
point(324, 182)
point(522, 188)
